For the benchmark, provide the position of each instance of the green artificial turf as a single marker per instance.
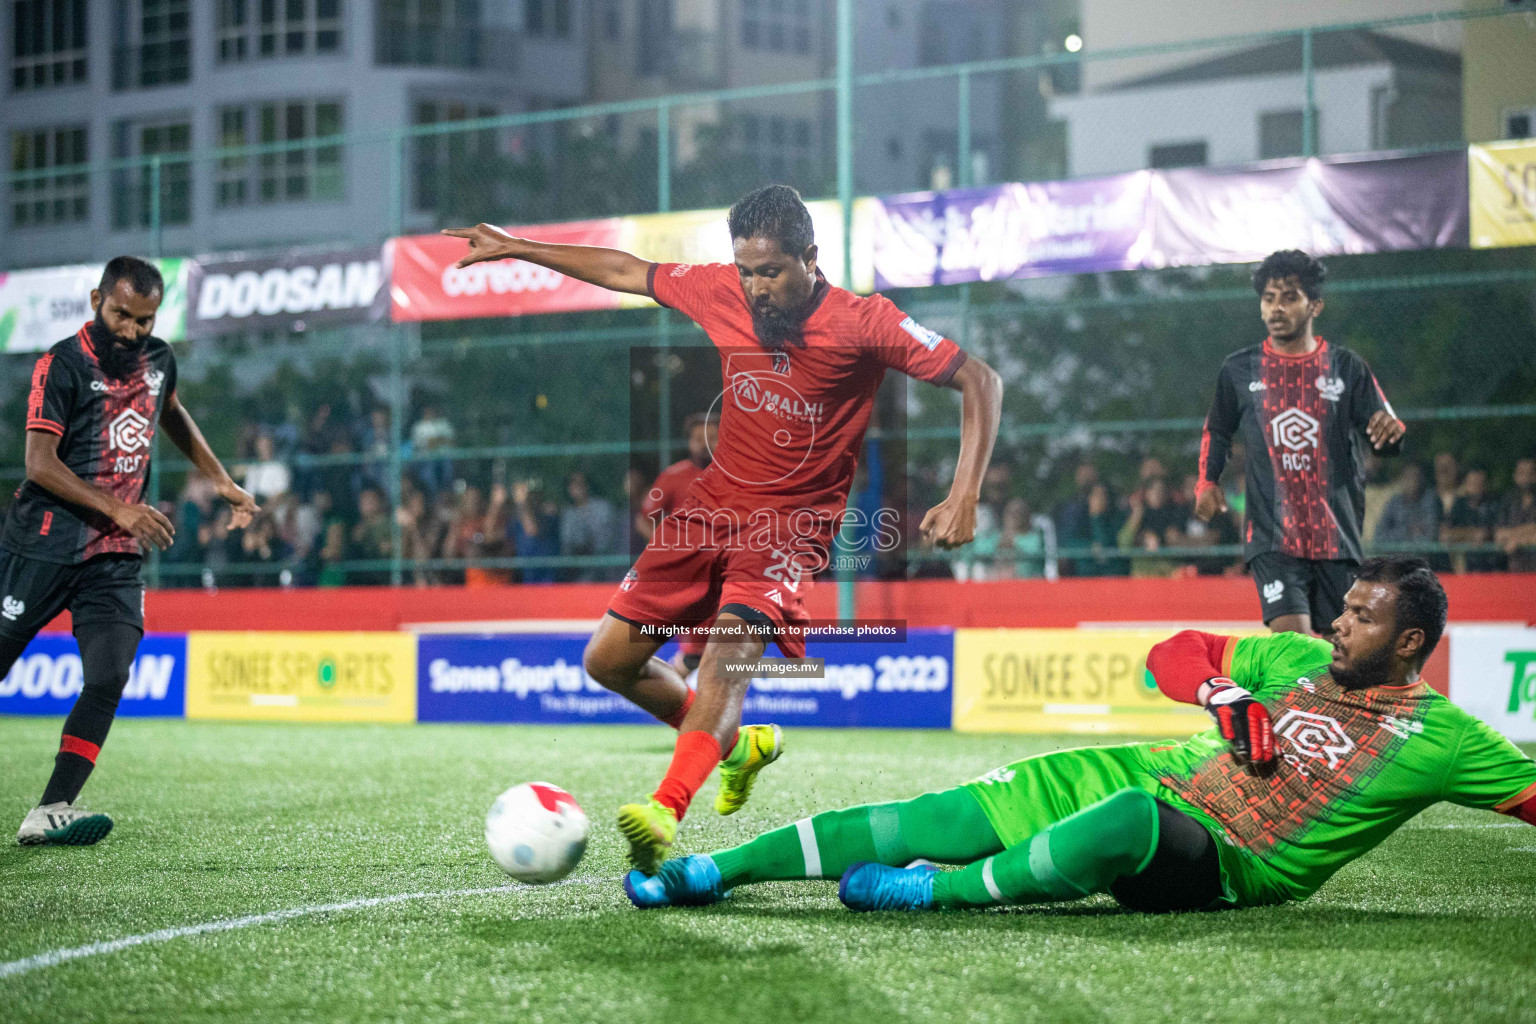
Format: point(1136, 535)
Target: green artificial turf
point(218, 821)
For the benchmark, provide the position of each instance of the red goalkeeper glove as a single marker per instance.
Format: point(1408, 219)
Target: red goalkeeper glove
point(1243, 721)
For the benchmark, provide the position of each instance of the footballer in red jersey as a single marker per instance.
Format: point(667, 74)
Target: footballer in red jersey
point(74, 536)
point(662, 499)
point(801, 363)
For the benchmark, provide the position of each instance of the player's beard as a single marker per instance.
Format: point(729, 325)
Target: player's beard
point(776, 329)
point(1374, 669)
point(118, 358)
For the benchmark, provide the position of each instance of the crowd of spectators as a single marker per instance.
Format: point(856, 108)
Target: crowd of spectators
point(1150, 528)
point(326, 520)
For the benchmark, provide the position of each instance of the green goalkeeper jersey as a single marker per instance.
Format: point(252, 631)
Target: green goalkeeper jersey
point(1351, 765)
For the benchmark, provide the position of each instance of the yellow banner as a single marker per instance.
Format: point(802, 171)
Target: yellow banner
point(302, 677)
point(1064, 680)
point(701, 236)
point(1502, 183)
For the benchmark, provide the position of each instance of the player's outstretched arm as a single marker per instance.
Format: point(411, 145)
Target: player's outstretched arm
point(952, 522)
point(47, 470)
point(182, 430)
point(1195, 668)
point(613, 269)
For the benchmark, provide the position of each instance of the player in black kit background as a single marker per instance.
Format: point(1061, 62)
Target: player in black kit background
point(73, 539)
point(1305, 407)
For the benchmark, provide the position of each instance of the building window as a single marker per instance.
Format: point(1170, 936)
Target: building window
point(778, 145)
point(1520, 124)
point(1177, 154)
point(132, 205)
point(264, 29)
point(434, 158)
point(155, 38)
point(613, 20)
point(301, 174)
point(547, 18)
point(1280, 134)
point(780, 26)
point(432, 33)
point(47, 44)
point(54, 198)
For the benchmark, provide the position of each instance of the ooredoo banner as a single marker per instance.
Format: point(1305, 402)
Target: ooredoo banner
point(1064, 680)
point(292, 291)
point(424, 284)
point(1493, 675)
point(538, 678)
point(302, 677)
point(48, 676)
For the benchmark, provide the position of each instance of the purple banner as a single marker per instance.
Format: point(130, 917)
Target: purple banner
point(1014, 230)
point(1325, 207)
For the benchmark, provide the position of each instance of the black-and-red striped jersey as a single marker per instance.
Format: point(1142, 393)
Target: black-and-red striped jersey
point(1303, 420)
point(105, 427)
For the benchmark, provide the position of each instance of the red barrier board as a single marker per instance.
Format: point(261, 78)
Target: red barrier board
point(424, 284)
point(1015, 603)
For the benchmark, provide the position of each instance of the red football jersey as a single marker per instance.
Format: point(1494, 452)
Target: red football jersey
point(668, 489)
point(792, 419)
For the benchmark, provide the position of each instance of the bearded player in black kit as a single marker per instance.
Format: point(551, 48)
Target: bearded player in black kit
point(1306, 407)
point(73, 538)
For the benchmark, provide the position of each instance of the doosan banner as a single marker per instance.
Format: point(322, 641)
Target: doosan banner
point(48, 677)
point(539, 678)
point(292, 291)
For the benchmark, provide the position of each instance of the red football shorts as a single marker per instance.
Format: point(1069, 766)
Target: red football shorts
point(682, 579)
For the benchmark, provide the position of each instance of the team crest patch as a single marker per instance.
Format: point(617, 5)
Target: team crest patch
point(1331, 388)
point(154, 380)
point(926, 338)
point(1315, 736)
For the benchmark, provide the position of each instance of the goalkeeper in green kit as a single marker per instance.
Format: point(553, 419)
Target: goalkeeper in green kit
point(1320, 751)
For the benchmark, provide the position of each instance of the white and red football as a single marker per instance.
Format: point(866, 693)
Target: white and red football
point(536, 832)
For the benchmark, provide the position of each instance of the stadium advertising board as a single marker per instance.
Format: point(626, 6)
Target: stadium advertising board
point(1014, 230)
point(539, 678)
point(302, 677)
point(1502, 179)
point(424, 284)
point(1493, 676)
point(1064, 680)
point(292, 291)
point(1325, 207)
point(41, 307)
point(47, 678)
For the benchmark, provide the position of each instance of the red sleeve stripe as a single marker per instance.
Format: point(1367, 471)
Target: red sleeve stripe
point(1513, 803)
point(38, 423)
point(39, 386)
point(1383, 396)
point(84, 748)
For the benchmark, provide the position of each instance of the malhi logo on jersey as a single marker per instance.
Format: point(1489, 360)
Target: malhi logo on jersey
point(1296, 432)
point(1314, 736)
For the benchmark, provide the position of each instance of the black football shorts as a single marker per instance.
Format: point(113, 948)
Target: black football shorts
point(107, 588)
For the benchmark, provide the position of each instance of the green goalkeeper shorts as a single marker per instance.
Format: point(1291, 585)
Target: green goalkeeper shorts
point(1025, 797)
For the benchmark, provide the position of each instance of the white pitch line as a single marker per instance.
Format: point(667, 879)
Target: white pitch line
point(1490, 824)
point(58, 956)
